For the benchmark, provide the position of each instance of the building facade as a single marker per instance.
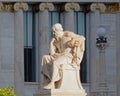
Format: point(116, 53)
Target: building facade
point(25, 33)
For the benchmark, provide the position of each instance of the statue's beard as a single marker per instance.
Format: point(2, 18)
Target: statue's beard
point(58, 36)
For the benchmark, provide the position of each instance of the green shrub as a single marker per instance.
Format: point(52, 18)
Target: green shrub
point(8, 91)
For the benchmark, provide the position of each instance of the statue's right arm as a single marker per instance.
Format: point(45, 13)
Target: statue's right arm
point(52, 47)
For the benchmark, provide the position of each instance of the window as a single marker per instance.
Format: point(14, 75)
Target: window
point(29, 46)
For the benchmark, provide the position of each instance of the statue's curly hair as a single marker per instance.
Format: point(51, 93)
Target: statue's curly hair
point(57, 27)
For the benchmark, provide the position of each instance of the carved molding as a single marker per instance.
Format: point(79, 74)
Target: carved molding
point(108, 8)
point(112, 8)
point(119, 7)
point(98, 6)
point(1, 6)
point(11, 7)
point(20, 6)
point(6, 7)
point(72, 6)
point(48, 6)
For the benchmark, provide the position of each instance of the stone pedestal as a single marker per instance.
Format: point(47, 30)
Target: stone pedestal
point(59, 92)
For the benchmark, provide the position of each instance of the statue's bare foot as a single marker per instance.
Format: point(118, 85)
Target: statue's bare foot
point(50, 86)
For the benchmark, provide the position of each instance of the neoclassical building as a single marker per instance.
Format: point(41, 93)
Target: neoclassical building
point(25, 33)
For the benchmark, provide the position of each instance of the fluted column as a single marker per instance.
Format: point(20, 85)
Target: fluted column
point(1, 7)
point(93, 56)
point(69, 15)
point(19, 48)
point(44, 33)
point(94, 24)
point(118, 52)
point(6, 46)
point(96, 58)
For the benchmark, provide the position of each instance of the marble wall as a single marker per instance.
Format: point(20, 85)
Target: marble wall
point(6, 49)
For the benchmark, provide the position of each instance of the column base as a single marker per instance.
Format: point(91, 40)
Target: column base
point(59, 92)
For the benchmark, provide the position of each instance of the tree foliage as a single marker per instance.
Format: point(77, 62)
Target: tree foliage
point(8, 91)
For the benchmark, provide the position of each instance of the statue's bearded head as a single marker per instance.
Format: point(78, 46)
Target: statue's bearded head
point(57, 30)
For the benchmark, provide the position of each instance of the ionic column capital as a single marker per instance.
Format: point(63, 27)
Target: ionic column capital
point(48, 6)
point(72, 6)
point(20, 6)
point(98, 6)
